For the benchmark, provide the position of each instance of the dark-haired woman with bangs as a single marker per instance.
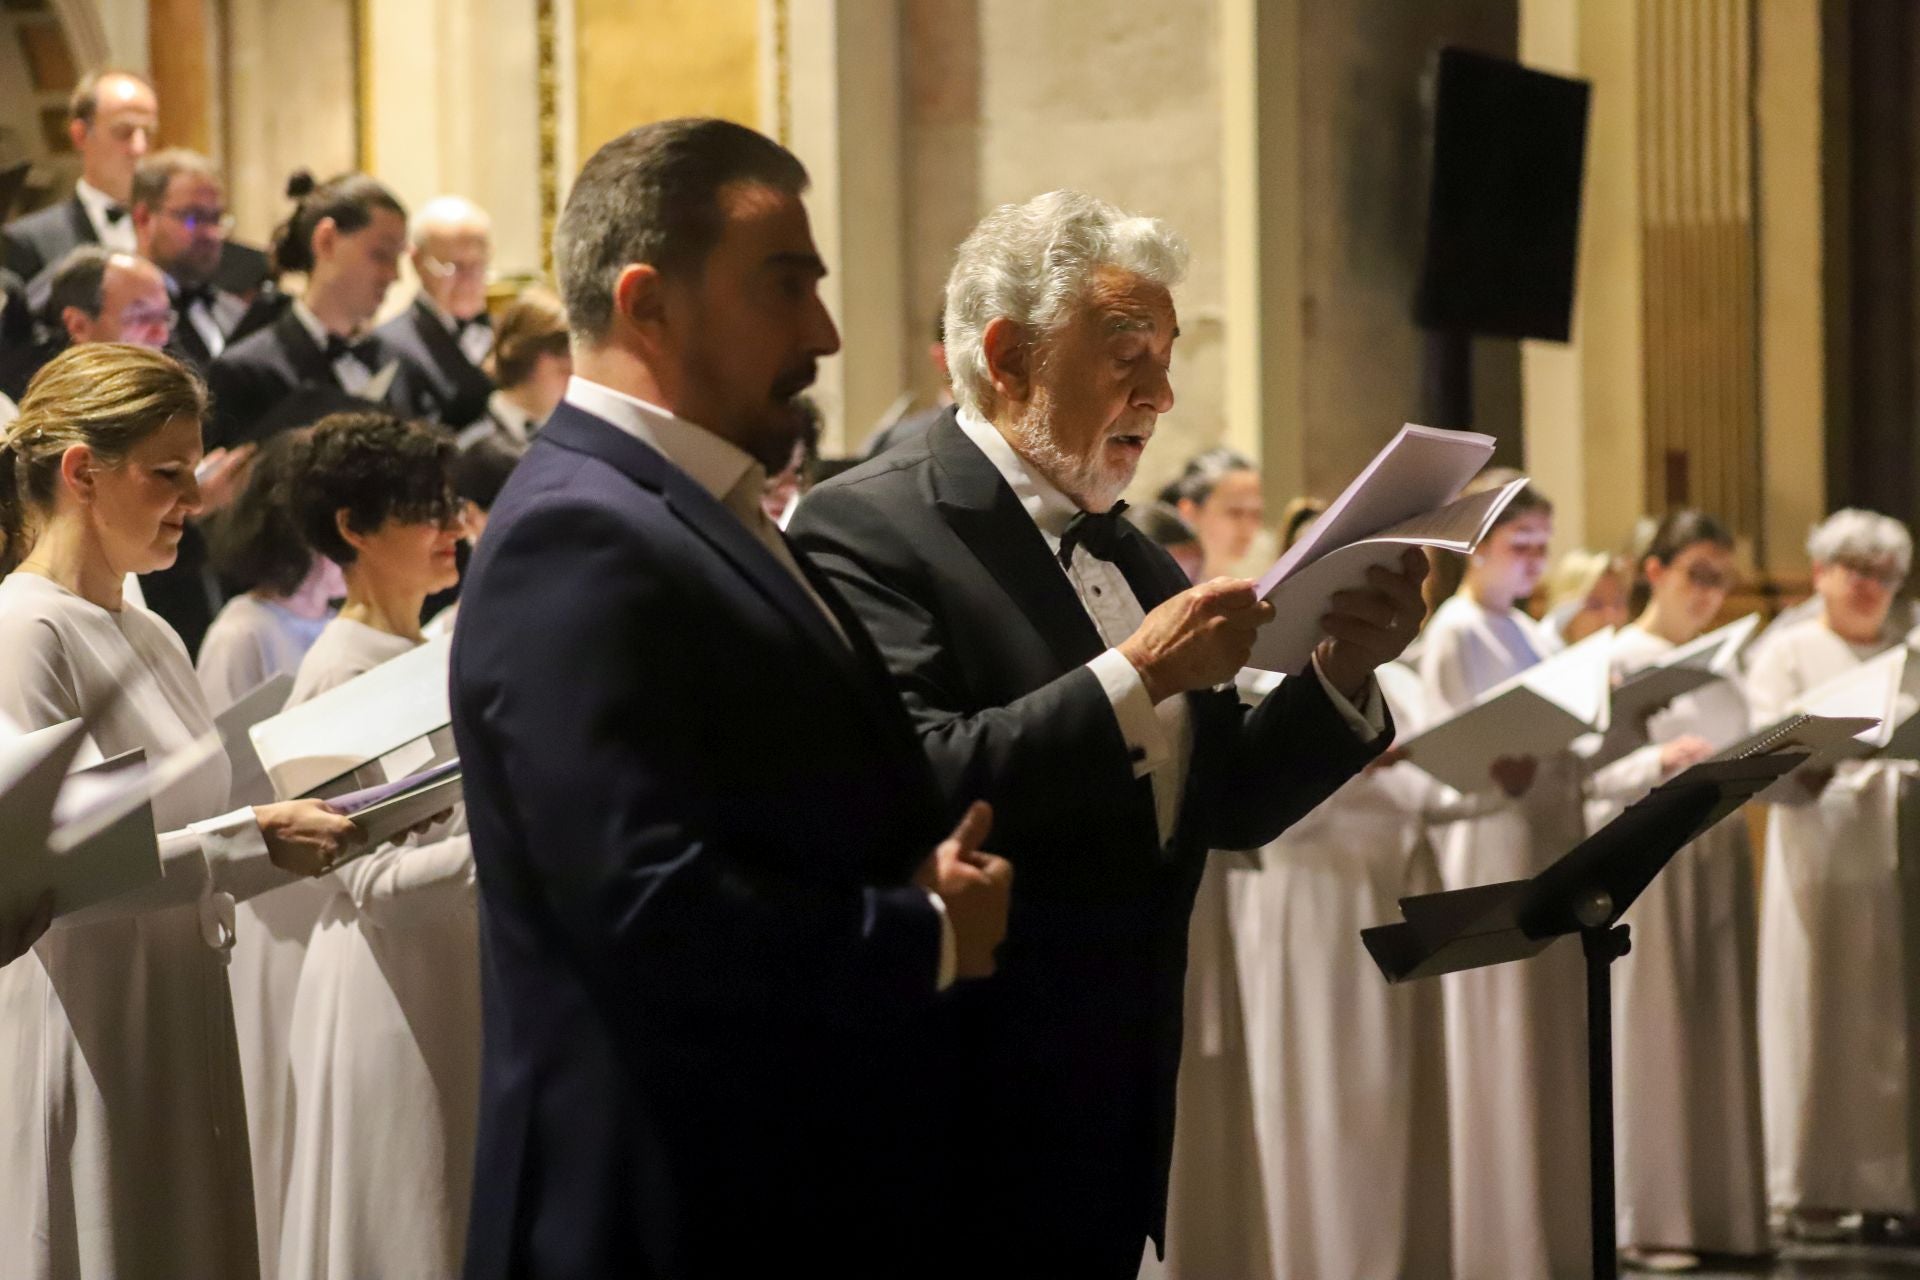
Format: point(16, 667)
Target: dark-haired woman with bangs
point(347, 236)
point(385, 1040)
point(1686, 1046)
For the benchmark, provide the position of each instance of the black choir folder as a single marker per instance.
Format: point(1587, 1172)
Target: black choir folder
point(1490, 924)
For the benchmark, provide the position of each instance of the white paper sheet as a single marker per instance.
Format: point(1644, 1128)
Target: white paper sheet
point(307, 746)
point(1302, 597)
point(235, 726)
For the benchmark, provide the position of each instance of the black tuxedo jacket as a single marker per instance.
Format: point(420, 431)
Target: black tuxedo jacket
point(278, 377)
point(454, 389)
point(1073, 1047)
point(695, 812)
point(38, 241)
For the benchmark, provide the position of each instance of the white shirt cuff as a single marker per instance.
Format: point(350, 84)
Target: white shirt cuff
point(1367, 720)
point(236, 855)
point(1146, 737)
point(949, 950)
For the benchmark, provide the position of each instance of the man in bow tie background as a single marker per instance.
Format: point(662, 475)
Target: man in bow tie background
point(111, 119)
point(1058, 664)
point(179, 215)
point(444, 337)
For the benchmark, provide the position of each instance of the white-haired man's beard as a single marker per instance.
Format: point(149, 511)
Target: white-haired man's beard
point(1088, 478)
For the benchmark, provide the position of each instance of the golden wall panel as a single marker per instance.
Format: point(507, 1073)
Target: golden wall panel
point(639, 62)
point(1700, 245)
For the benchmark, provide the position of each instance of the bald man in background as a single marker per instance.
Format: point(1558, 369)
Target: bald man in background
point(94, 295)
point(445, 336)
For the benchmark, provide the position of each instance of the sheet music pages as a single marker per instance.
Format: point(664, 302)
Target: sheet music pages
point(1538, 712)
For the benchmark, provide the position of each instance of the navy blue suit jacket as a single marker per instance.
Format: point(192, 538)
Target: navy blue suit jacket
point(695, 813)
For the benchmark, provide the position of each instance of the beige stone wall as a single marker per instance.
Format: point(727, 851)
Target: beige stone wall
point(1010, 98)
point(291, 103)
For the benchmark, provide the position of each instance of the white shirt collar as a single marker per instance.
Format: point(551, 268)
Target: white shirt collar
point(517, 421)
point(718, 466)
point(311, 323)
point(1050, 508)
point(96, 202)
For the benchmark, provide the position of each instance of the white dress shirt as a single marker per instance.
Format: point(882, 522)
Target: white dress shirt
point(474, 341)
point(735, 480)
point(115, 235)
point(1160, 738)
point(205, 323)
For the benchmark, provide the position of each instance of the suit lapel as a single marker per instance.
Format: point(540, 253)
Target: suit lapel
point(464, 381)
point(980, 507)
point(83, 232)
point(574, 428)
point(310, 363)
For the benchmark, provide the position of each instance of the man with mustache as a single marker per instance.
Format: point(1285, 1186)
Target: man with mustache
point(712, 909)
point(1058, 663)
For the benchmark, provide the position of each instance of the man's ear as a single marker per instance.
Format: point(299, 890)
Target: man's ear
point(77, 133)
point(326, 234)
point(640, 296)
point(1009, 357)
point(78, 324)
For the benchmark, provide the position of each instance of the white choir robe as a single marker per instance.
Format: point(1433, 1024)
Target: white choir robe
point(1312, 1110)
point(1688, 1151)
point(251, 641)
point(122, 1128)
point(1516, 1034)
point(385, 1044)
point(1836, 927)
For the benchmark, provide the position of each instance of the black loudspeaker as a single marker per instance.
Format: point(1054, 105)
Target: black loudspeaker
point(1503, 210)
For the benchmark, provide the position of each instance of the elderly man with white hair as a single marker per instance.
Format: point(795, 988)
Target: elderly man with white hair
point(446, 335)
point(1838, 959)
point(1058, 664)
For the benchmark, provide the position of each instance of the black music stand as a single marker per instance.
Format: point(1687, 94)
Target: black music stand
point(1585, 892)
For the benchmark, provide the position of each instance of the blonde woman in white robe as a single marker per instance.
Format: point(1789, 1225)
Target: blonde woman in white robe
point(1516, 1036)
point(1688, 1148)
point(1836, 973)
point(385, 1046)
point(122, 1127)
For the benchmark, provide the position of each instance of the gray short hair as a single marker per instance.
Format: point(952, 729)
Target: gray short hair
point(1853, 534)
point(653, 195)
point(1029, 263)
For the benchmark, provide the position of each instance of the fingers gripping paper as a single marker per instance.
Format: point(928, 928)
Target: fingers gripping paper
point(1406, 498)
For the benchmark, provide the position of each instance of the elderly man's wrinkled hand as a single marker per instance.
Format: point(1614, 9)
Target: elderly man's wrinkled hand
point(1373, 626)
point(1197, 639)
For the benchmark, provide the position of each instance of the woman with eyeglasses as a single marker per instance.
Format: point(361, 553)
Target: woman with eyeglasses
point(1688, 1140)
point(346, 235)
point(123, 1133)
point(385, 1039)
point(1839, 947)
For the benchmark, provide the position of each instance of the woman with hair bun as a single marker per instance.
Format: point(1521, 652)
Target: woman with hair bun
point(347, 236)
point(1686, 1048)
point(122, 1126)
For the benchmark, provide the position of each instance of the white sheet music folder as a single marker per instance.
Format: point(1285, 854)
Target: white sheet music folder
point(1538, 712)
point(307, 746)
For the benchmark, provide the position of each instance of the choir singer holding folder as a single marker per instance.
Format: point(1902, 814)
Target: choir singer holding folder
point(711, 924)
point(1058, 663)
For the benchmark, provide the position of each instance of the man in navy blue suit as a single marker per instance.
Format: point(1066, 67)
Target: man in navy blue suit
point(713, 915)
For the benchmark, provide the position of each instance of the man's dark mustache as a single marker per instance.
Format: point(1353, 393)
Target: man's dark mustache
point(796, 380)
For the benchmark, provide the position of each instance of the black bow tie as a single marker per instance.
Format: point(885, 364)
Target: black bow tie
point(114, 212)
point(481, 321)
point(1099, 534)
point(190, 294)
point(366, 351)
